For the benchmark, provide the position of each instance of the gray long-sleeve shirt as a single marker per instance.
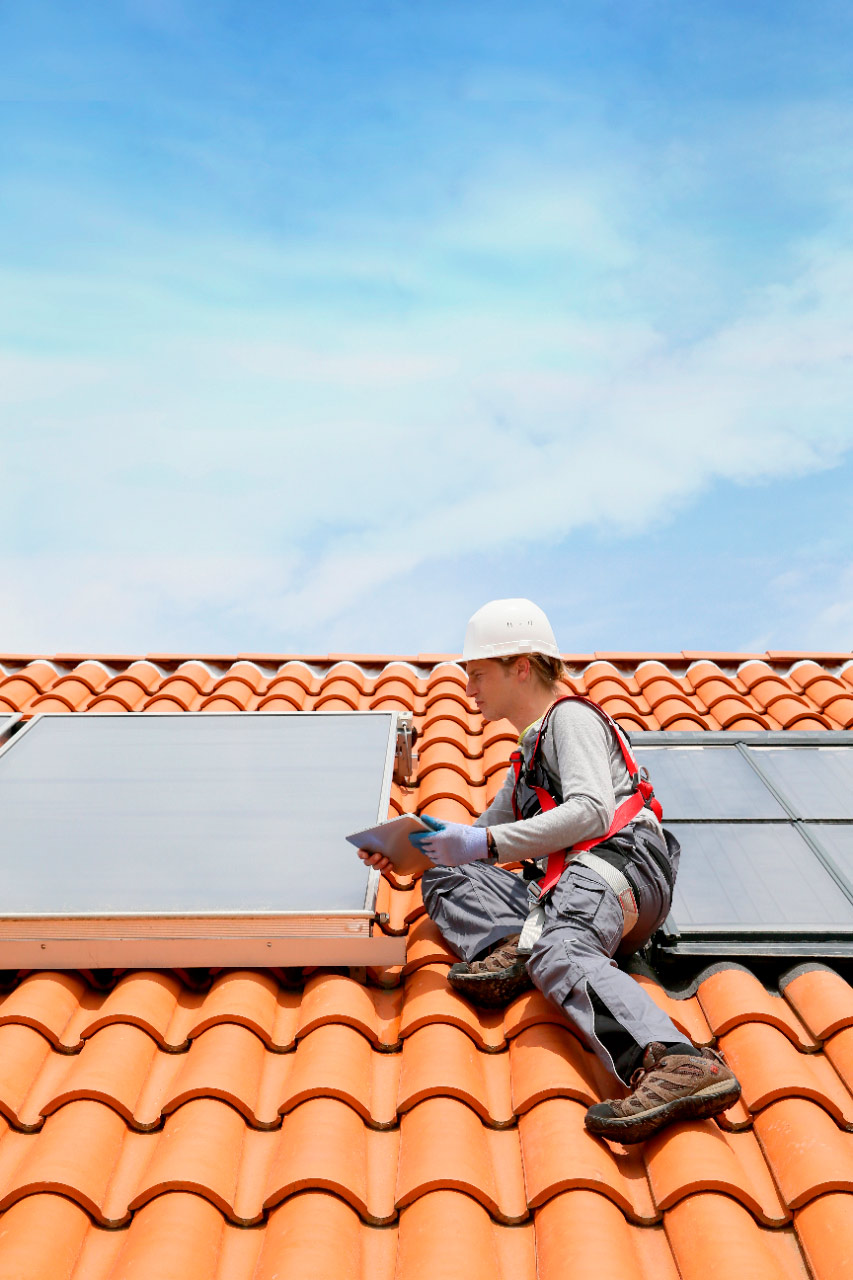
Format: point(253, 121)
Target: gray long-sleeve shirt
point(579, 748)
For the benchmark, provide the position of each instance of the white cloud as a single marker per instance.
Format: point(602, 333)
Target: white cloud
point(287, 459)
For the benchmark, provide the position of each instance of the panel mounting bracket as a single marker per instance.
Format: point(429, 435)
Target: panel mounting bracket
point(405, 756)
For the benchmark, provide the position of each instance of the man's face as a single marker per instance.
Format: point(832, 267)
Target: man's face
point(490, 685)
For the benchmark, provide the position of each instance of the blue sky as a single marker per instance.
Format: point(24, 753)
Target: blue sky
point(321, 325)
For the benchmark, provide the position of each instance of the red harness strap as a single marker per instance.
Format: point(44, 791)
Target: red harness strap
point(641, 796)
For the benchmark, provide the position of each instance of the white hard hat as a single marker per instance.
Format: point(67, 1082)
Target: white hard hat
point(506, 627)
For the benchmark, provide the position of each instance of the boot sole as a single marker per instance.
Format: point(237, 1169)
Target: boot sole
point(492, 990)
point(696, 1106)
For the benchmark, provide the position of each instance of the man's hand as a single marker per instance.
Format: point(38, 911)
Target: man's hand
point(451, 844)
point(377, 860)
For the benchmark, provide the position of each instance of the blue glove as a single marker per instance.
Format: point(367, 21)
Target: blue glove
point(450, 844)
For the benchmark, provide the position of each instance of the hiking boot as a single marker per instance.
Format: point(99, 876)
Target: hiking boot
point(496, 979)
point(668, 1086)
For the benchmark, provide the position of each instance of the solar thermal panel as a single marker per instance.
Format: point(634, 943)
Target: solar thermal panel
point(815, 781)
point(837, 840)
point(213, 821)
point(748, 878)
point(698, 783)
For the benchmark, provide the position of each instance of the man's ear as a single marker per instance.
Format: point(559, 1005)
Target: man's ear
point(523, 668)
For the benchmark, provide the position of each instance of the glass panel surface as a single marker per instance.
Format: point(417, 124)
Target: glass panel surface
point(707, 782)
point(816, 781)
point(189, 813)
point(838, 843)
point(734, 876)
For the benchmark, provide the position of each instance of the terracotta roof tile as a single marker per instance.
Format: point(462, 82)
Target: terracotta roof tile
point(548, 1061)
point(700, 1156)
point(325, 1144)
point(415, 908)
point(232, 696)
point(825, 1230)
point(686, 1014)
point(114, 1067)
point(559, 1155)
point(483, 1162)
point(393, 695)
point(442, 1227)
point(584, 1234)
point(428, 999)
point(839, 1051)
point(47, 1002)
point(659, 684)
point(769, 1068)
point(603, 680)
point(735, 712)
point(734, 997)
point(447, 708)
point(679, 714)
point(446, 783)
point(807, 1153)
point(839, 712)
point(440, 1060)
point(529, 1010)
point(713, 1233)
point(24, 1054)
point(330, 997)
point(393, 903)
point(820, 685)
point(75, 691)
point(447, 755)
point(426, 946)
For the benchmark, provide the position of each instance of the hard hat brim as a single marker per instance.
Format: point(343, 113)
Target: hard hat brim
point(509, 649)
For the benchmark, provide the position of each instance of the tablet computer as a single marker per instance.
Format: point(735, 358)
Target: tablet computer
point(392, 839)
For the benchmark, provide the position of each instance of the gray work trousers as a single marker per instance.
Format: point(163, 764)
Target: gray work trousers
point(572, 963)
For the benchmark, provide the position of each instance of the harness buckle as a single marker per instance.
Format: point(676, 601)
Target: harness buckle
point(534, 891)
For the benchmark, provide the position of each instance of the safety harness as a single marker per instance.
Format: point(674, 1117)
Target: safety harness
point(642, 796)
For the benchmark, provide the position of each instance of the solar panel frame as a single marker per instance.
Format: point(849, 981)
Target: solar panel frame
point(190, 936)
point(749, 737)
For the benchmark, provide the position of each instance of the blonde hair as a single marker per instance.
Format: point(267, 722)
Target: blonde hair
point(551, 671)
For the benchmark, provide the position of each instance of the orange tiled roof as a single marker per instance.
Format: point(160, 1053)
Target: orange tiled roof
point(666, 691)
point(393, 1132)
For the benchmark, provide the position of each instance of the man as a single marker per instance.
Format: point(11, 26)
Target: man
point(571, 809)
